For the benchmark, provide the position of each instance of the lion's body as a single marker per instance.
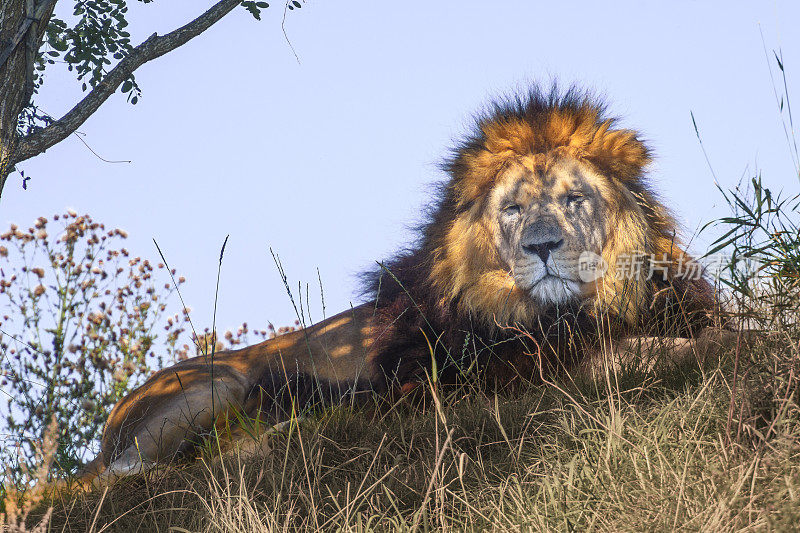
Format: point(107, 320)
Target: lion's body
point(493, 289)
point(163, 416)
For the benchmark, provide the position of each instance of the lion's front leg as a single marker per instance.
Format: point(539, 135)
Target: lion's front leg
point(646, 353)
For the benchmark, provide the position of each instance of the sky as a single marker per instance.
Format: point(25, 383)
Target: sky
point(328, 158)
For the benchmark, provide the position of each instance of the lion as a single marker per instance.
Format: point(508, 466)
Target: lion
point(496, 289)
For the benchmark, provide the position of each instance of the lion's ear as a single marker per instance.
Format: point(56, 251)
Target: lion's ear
point(617, 153)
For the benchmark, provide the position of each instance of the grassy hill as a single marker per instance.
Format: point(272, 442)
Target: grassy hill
point(697, 448)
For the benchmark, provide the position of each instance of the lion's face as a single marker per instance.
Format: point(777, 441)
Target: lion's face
point(543, 218)
point(543, 181)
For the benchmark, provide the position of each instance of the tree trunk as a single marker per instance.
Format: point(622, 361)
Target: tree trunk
point(12, 14)
point(16, 73)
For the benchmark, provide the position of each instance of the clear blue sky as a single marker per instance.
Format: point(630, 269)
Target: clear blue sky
point(330, 160)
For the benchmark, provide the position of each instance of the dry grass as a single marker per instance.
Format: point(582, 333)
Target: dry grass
point(669, 452)
point(18, 503)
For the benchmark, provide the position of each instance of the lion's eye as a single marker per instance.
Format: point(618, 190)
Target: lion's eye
point(512, 210)
point(575, 198)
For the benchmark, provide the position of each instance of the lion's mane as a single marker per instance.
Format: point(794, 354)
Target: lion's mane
point(450, 294)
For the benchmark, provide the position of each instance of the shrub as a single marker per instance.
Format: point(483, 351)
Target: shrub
point(763, 273)
point(80, 317)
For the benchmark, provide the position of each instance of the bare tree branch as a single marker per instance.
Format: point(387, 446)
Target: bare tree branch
point(155, 46)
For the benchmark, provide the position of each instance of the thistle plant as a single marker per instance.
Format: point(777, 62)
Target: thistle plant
point(83, 322)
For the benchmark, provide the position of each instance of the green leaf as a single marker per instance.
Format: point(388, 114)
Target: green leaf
point(127, 86)
point(59, 44)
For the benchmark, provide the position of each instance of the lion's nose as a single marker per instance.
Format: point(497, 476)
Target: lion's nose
point(543, 249)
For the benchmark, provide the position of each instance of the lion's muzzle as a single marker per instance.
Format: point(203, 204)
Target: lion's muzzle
point(541, 237)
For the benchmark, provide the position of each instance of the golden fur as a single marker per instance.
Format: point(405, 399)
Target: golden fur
point(466, 296)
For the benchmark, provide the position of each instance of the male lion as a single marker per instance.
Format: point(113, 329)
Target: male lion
point(496, 288)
